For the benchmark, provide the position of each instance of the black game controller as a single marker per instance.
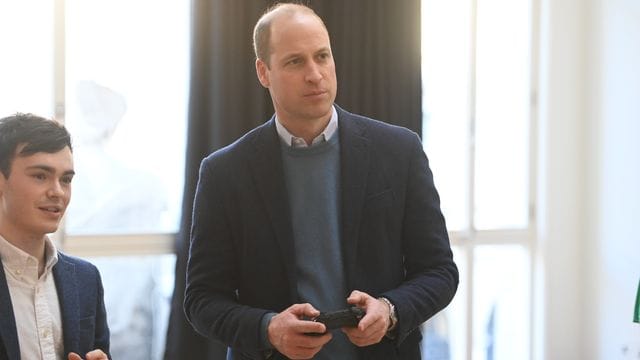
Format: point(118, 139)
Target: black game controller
point(349, 317)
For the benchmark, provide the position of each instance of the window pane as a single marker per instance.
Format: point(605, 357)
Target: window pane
point(26, 45)
point(502, 114)
point(501, 306)
point(444, 335)
point(445, 104)
point(137, 304)
point(126, 91)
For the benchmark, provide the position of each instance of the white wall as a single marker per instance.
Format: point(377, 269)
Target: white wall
point(589, 209)
point(613, 259)
point(561, 181)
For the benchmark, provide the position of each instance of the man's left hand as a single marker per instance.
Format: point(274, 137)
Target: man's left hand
point(373, 326)
point(91, 355)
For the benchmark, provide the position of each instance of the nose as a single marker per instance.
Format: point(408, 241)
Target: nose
point(314, 73)
point(56, 190)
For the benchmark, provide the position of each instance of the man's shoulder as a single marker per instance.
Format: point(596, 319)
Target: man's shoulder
point(373, 129)
point(243, 145)
point(79, 264)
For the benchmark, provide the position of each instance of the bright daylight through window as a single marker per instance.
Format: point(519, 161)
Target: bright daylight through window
point(117, 73)
point(477, 71)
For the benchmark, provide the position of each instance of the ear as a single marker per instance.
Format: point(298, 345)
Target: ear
point(3, 181)
point(263, 73)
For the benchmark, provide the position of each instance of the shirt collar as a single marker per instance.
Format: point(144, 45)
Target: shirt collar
point(20, 262)
point(298, 142)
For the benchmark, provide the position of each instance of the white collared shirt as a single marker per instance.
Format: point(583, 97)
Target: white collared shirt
point(36, 307)
point(298, 142)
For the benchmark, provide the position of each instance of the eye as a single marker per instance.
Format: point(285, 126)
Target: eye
point(39, 176)
point(66, 180)
point(294, 61)
point(324, 56)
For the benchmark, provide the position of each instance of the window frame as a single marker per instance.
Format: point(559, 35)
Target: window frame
point(469, 239)
point(99, 244)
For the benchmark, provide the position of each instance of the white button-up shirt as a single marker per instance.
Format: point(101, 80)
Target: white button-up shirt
point(36, 307)
point(298, 142)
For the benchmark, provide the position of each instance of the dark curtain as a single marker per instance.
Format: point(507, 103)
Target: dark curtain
point(225, 101)
point(376, 45)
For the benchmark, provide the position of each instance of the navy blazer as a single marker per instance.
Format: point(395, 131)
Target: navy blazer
point(395, 243)
point(84, 319)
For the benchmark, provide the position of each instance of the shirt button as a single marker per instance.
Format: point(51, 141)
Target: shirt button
point(18, 271)
point(45, 333)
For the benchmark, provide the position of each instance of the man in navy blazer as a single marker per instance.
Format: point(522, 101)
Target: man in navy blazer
point(316, 210)
point(51, 304)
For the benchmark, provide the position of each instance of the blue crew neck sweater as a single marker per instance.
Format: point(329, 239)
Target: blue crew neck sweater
point(312, 177)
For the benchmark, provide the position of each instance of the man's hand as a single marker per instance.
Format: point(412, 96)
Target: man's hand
point(373, 326)
point(288, 332)
point(91, 355)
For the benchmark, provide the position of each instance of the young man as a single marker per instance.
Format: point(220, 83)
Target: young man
point(316, 210)
point(51, 304)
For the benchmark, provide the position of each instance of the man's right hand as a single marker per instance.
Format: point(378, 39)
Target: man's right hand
point(288, 332)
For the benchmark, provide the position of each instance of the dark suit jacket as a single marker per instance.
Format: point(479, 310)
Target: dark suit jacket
point(84, 319)
point(395, 242)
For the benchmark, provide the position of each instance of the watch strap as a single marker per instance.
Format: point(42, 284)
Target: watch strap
point(393, 318)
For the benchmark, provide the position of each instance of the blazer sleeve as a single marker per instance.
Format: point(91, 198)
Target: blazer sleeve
point(211, 304)
point(431, 276)
point(81, 294)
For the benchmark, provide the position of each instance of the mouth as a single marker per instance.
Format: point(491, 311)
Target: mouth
point(52, 209)
point(315, 93)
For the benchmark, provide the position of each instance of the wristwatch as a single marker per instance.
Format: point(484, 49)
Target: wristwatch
point(393, 318)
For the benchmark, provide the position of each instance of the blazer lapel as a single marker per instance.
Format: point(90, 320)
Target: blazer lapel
point(8, 329)
point(67, 286)
point(355, 157)
point(268, 172)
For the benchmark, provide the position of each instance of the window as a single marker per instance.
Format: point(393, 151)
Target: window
point(126, 99)
point(477, 118)
point(117, 73)
point(26, 73)
point(126, 77)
